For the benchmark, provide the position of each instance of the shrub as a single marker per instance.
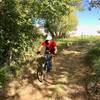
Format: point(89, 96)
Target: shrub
point(96, 67)
point(4, 73)
point(91, 55)
point(97, 44)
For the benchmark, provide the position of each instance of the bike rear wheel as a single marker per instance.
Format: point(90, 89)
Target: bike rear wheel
point(40, 75)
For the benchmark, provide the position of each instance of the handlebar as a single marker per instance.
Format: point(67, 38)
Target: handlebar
point(38, 52)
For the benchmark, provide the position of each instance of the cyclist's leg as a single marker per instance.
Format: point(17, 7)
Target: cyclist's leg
point(50, 62)
point(49, 66)
point(47, 62)
point(44, 66)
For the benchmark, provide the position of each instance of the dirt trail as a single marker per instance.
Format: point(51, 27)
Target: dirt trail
point(63, 83)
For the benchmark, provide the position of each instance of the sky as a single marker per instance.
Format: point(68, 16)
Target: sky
point(88, 21)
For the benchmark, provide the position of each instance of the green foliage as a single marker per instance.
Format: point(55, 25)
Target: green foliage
point(63, 43)
point(16, 28)
point(92, 59)
point(97, 43)
point(54, 12)
point(8, 72)
point(97, 67)
point(15, 35)
point(92, 54)
point(94, 3)
point(50, 10)
point(4, 73)
point(64, 24)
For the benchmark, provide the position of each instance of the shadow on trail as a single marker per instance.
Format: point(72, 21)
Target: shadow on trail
point(65, 81)
point(69, 76)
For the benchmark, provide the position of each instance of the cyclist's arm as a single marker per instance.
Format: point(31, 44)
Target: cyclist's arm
point(40, 48)
point(55, 50)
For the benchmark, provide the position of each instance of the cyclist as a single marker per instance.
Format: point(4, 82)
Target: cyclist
point(50, 49)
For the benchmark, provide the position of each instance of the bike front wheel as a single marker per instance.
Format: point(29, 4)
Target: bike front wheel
point(40, 74)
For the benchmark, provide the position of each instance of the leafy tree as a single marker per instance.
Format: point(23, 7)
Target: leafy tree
point(68, 23)
point(63, 23)
point(8, 27)
point(16, 21)
point(94, 3)
point(16, 27)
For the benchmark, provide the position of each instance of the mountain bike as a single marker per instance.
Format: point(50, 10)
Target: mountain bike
point(39, 62)
point(42, 66)
point(42, 63)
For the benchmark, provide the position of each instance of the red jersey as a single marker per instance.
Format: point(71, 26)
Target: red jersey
point(50, 45)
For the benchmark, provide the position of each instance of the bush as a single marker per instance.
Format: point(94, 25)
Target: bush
point(91, 55)
point(96, 67)
point(4, 73)
point(97, 44)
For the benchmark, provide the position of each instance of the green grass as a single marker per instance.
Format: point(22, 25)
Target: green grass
point(78, 39)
